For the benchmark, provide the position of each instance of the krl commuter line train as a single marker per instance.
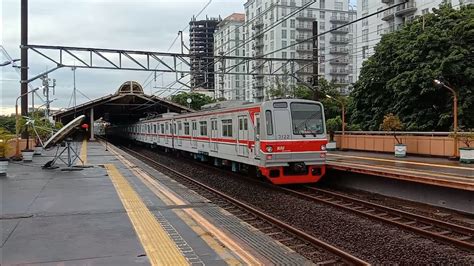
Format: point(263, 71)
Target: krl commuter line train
point(285, 140)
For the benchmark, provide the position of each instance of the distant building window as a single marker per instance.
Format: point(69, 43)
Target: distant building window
point(292, 23)
point(365, 35)
point(425, 11)
point(283, 34)
point(379, 29)
point(338, 5)
point(322, 4)
point(364, 51)
point(322, 14)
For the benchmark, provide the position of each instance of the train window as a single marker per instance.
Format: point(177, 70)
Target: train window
point(154, 128)
point(167, 126)
point(194, 125)
point(214, 124)
point(227, 128)
point(241, 124)
point(203, 128)
point(246, 125)
point(257, 119)
point(280, 105)
point(180, 126)
point(307, 118)
point(269, 122)
point(162, 129)
point(186, 128)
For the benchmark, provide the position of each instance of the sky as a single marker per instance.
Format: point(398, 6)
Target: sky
point(150, 25)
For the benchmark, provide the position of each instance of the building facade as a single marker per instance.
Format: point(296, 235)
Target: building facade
point(201, 50)
point(370, 30)
point(228, 41)
point(269, 26)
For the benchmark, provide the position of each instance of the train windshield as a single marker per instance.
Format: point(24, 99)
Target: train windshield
point(307, 119)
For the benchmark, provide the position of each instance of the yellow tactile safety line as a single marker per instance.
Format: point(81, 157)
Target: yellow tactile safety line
point(228, 242)
point(401, 161)
point(83, 155)
point(159, 247)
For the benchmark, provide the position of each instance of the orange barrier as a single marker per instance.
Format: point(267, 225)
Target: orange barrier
point(12, 146)
point(433, 144)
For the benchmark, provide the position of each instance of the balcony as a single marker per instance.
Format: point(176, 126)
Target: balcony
point(259, 94)
point(387, 1)
point(338, 50)
point(339, 61)
point(340, 81)
point(300, 38)
point(339, 40)
point(388, 15)
point(340, 71)
point(258, 44)
point(302, 16)
point(406, 8)
point(258, 23)
point(339, 19)
point(258, 84)
point(342, 30)
point(303, 27)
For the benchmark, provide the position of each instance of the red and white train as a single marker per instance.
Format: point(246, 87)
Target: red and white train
point(284, 139)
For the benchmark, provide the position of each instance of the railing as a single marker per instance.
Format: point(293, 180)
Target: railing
point(420, 143)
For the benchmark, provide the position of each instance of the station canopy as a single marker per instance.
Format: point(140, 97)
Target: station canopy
point(127, 105)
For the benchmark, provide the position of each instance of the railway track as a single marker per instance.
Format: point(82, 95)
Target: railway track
point(460, 236)
point(307, 245)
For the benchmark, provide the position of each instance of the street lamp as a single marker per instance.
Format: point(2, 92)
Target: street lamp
point(455, 112)
point(17, 118)
point(343, 117)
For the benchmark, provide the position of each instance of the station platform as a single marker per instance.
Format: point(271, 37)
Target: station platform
point(427, 170)
point(119, 211)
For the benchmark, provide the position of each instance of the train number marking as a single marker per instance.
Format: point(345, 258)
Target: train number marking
point(286, 136)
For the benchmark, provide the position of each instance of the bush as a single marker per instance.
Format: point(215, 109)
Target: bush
point(5, 136)
point(333, 125)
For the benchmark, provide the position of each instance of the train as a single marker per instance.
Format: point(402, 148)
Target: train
point(283, 140)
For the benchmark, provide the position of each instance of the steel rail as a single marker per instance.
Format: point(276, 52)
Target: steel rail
point(394, 216)
point(347, 257)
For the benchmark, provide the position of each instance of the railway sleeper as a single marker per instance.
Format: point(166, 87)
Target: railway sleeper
point(464, 238)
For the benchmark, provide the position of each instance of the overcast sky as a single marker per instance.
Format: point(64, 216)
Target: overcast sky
point(123, 24)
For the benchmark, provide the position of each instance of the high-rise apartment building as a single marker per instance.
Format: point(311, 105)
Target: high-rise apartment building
point(228, 41)
point(201, 50)
point(270, 27)
point(370, 30)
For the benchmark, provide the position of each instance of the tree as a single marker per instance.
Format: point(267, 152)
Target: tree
point(398, 78)
point(197, 99)
point(8, 123)
point(392, 123)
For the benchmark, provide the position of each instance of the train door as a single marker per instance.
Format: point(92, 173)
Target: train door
point(256, 132)
point(179, 133)
point(173, 132)
point(243, 136)
point(155, 133)
point(167, 130)
point(214, 135)
point(194, 135)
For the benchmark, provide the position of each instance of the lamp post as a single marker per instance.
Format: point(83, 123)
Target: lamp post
point(17, 118)
point(343, 117)
point(455, 113)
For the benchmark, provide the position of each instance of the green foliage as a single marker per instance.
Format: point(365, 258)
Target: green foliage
point(5, 136)
point(398, 78)
point(198, 99)
point(44, 128)
point(333, 125)
point(392, 123)
point(8, 123)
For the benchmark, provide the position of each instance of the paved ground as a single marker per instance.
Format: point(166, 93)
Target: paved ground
point(53, 217)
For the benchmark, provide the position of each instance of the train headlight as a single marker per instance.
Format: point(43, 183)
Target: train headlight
point(269, 148)
point(323, 147)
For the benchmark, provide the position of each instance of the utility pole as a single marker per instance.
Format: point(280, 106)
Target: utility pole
point(73, 89)
point(315, 61)
point(46, 88)
point(24, 64)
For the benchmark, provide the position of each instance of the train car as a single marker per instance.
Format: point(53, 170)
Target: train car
point(285, 140)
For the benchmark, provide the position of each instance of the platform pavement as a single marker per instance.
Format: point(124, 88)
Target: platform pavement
point(52, 217)
point(429, 170)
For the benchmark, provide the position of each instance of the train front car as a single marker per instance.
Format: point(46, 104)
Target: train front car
point(292, 141)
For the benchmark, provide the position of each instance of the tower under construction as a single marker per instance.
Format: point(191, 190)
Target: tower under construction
point(201, 50)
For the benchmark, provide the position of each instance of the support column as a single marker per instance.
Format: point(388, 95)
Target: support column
point(91, 127)
point(24, 64)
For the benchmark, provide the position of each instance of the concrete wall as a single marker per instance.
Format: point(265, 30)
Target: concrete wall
point(421, 145)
